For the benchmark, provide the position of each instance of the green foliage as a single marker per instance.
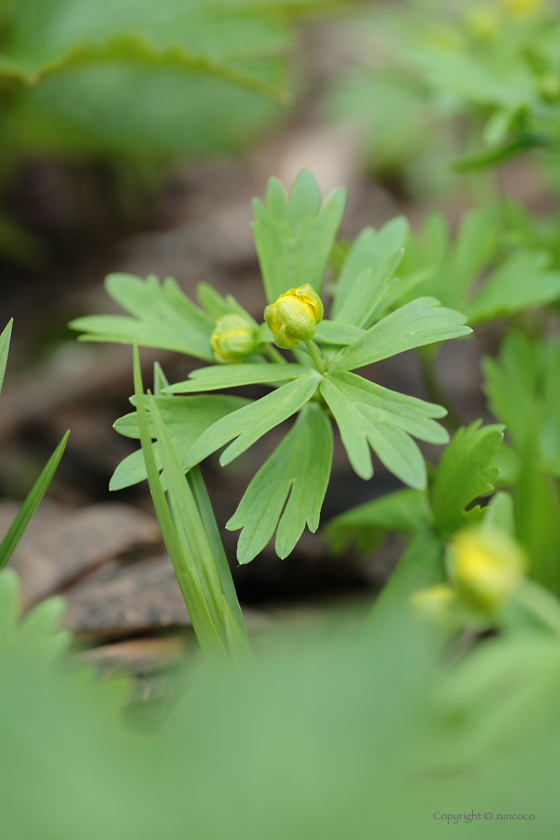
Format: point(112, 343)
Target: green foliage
point(375, 744)
point(200, 564)
point(453, 268)
point(134, 78)
point(294, 237)
point(437, 80)
point(465, 472)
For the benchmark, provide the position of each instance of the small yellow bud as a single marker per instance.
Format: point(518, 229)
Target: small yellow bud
point(233, 339)
point(434, 602)
point(294, 316)
point(487, 566)
point(523, 8)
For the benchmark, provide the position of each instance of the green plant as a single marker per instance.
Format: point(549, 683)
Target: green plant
point(294, 239)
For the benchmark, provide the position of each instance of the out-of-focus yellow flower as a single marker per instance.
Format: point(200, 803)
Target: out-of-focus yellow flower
point(294, 316)
point(486, 567)
point(523, 8)
point(434, 602)
point(549, 86)
point(233, 339)
point(484, 21)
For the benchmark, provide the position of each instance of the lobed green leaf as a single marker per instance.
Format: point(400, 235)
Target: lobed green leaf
point(164, 317)
point(464, 472)
point(368, 415)
point(420, 322)
point(250, 423)
point(298, 471)
point(233, 376)
point(294, 236)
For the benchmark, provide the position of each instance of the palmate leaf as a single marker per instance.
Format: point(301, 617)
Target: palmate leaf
point(367, 272)
point(369, 415)
point(185, 419)
point(250, 423)
point(422, 321)
point(294, 236)
point(464, 472)
point(164, 317)
point(299, 468)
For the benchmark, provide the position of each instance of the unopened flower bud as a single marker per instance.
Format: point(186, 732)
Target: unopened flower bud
point(233, 339)
point(294, 316)
point(487, 567)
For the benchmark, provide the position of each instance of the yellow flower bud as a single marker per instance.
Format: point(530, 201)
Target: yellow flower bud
point(294, 316)
point(434, 602)
point(487, 567)
point(233, 339)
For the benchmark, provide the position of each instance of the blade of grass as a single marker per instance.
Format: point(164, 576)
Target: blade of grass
point(4, 347)
point(204, 505)
point(209, 639)
point(30, 504)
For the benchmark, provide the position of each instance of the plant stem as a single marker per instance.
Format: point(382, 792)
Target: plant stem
point(435, 391)
point(274, 355)
point(316, 356)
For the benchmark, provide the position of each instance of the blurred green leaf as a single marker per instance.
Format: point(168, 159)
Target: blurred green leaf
point(422, 321)
point(464, 472)
point(287, 492)
point(520, 283)
point(30, 504)
point(164, 317)
point(294, 236)
point(369, 415)
point(248, 424)
point(405, 511)
point(511, 384)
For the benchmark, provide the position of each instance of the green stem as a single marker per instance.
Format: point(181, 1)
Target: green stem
point(274, 355)
point(435, 391)
point(316, 356)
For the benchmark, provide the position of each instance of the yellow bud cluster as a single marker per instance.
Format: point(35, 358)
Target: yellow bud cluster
point(486, 566)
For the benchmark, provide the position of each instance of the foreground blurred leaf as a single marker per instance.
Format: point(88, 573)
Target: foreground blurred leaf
point(298, 471)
